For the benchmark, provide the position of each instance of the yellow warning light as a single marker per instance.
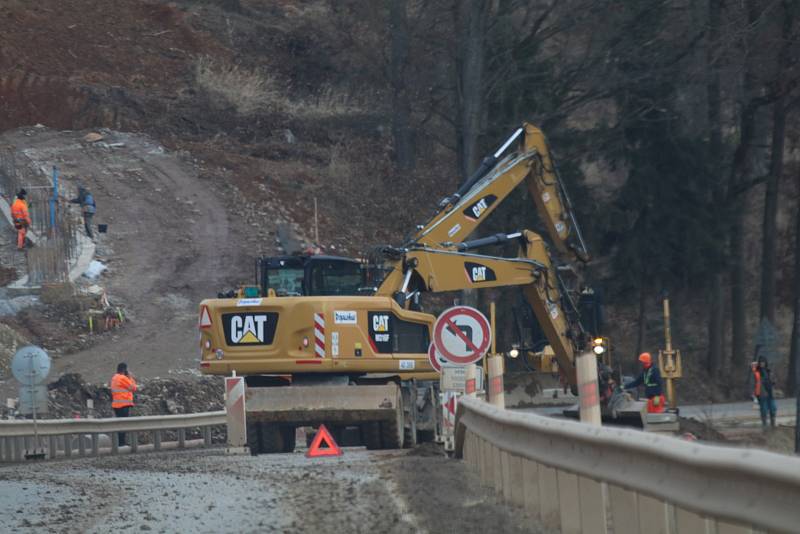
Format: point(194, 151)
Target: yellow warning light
point(598, 341)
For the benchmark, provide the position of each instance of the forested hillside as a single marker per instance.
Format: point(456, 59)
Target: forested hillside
point(673, 123)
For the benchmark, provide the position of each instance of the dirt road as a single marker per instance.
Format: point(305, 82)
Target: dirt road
point(169, 244)
point(207, 491)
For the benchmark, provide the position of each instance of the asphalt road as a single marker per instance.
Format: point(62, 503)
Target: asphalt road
point(208, 491)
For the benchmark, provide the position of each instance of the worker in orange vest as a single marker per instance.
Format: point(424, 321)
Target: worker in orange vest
point(651, 378)
point(122, 387)
point(762, 391)
point(21, 217)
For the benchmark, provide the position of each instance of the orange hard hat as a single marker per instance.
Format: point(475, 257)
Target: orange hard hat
point(645, 358)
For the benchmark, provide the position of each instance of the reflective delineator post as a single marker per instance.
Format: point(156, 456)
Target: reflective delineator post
point(235, 409)
point(497, 396)
point(588, 390)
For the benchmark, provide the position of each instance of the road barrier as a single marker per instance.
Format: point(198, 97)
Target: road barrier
point(92, 437)
point(587, 479)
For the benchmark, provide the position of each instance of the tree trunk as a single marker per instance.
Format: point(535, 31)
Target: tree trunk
point(793, 378)
point(770, 230)
point(736, 196)
point(641, 337)
point(402, 132)
point(716, 325)
point(716, 315)
point(471, 18)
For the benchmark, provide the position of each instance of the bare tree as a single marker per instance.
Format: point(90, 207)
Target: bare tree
point(402, 131)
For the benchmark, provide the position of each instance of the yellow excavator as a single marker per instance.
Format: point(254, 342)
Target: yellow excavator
point(322, 339)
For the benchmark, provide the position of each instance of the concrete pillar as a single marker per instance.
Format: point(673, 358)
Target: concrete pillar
point(549, 511)
point(569, 503)
point(530, 486)
point(593, 506)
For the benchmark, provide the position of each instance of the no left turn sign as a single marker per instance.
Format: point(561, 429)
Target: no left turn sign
point(435, 358)
point(462, 335)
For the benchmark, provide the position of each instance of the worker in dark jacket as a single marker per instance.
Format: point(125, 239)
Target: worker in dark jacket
point(763, 390)
point(88, 208)
point(653, 388)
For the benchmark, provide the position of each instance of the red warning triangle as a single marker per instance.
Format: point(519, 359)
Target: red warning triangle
point(331, 448)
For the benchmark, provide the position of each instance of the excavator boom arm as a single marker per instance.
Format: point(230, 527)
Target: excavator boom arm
point(533, 163)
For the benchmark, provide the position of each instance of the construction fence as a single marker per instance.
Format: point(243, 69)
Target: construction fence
point(54, 224)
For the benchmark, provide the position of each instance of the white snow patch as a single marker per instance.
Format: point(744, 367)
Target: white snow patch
point(94, 270)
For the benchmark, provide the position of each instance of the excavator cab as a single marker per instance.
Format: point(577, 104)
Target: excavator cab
point(304, 276)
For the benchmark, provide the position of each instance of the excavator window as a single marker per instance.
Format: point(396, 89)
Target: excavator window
point(335, 277)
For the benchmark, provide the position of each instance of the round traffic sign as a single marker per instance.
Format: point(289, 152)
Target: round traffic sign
point(462, 335)
point(435, 358)
point(30, 365)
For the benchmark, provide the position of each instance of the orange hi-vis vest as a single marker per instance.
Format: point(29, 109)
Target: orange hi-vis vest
point(757, 388)
point(122, 388)
point(19, 211)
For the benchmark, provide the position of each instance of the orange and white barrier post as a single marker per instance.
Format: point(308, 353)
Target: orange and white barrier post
point(588, 389)
point(234, 406)
point(497, 396)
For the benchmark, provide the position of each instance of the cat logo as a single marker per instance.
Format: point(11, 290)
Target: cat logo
point(250, 328)
point(477, 273)
point(380, 323)
point(476, 209)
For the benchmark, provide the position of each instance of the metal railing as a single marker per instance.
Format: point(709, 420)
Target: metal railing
point(580, 478)
point(92, 437)
point(53, 222)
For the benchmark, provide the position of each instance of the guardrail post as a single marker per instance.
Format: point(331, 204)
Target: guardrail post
point(181, 438)
point(157, 440)
point(497, 469)
point(207, 436)
point(114, 442)
point(505, 466)
point(688, 522)
point(67, 445)
point(569, 503)
point(530, 487)
point(653, 515)
point(593, 506)
point(624, 510)
point(134, 441)
point(515, 480)
point(549, 512)
point(81, 445)
point(52, 448)
point(95, 444)
point(19, 444)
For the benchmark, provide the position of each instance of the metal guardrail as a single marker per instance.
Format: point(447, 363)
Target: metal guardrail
point(99, 436)
point(587, 479)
